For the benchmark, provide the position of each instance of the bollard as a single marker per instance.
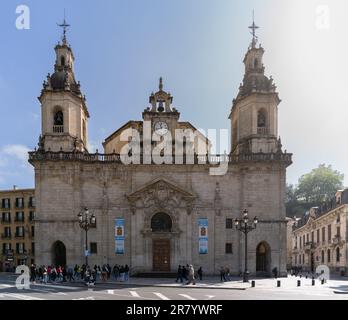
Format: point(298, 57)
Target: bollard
point(278, 283)
point(322, 281)
point(299, 283)
point(253, 283)
point(313, 282)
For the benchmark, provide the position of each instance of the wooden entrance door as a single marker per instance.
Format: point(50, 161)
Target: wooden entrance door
point(161, 255)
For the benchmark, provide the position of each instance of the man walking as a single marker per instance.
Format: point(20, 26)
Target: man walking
point(191, 275)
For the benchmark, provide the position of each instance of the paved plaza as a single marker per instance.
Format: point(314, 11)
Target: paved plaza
point(166, 289)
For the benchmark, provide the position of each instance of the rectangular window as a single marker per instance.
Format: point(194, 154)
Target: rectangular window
point(93, 248)
point(33, 231)
point(19, 232)
point(228, 248)
point(318, 236)
point(304, 240)
point(31, 202)
point(7, 232)
point(338, 234)
point(300, 242)
point(19, 202)
point(33, 248)
point(6, 204)
point(312, 236)
point(307, 237)
point(19, 248)
point(19, 216)
point(323, 234)
point(31, 216)
point(229, 223)
point(6, 217)
point(329, 232)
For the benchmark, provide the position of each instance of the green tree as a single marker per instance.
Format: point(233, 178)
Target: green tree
point(319, 185)
point(313, 189)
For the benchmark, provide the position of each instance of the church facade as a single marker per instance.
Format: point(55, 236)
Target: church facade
point(156, 214)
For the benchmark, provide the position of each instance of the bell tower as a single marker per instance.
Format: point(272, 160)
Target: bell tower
point(63, 106)
point(254, 114)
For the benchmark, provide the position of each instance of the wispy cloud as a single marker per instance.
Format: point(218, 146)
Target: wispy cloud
point(16, 150)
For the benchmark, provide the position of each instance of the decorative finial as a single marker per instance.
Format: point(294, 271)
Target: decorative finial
point(253, 27)
point(160, 84)
point(65, 26)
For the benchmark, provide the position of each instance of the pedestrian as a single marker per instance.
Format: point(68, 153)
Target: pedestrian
point(32, 273)
point(191, 275)
point(179, 274)
point(275, 272)
point(184, 273)
point(45, 275)
point(200, 273)
point(222, 274)
point(104, 273)
point(126, 272)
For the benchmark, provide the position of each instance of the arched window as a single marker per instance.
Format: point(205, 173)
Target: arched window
point(261, 119)
point(161, 222)
point(338, 255)
point(62, 61)
point(322, 256)
point(328, 255)
point(58, 118)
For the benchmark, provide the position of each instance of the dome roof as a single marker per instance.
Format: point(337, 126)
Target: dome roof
point(58, 80)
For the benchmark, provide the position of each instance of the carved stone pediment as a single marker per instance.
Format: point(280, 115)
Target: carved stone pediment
point(161, 194)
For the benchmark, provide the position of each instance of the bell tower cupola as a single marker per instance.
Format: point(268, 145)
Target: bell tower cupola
point(254, 114)
point(63, 106)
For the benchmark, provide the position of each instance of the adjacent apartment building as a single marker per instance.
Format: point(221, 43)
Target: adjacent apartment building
point(17, 228)
point(320, 237)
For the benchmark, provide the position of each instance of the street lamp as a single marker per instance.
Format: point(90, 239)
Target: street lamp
point(86, 221)
point(245, 226)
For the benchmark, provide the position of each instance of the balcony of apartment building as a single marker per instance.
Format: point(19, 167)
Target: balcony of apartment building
point(309, 245)
point(6, 220)
point(6, 236)
point(337, 240)
point(19, 219)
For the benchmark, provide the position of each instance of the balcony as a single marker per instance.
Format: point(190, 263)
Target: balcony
point(19, 235)
point(310, 245)
point(262, 130)
point(6, 236)
point(21, 220)
point(5, 221)
point(337, 240)
point(58, 129)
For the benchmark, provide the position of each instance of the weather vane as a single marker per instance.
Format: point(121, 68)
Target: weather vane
point(65, 26)
point(254, 27)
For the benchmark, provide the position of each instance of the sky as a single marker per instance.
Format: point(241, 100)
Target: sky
point(122, 47)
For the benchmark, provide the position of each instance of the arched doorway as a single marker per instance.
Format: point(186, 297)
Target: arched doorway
point(263, 259)
point(59, 254)
point(161, 225)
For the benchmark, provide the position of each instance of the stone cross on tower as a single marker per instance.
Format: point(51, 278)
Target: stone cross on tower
point(253, 27)
point(65, 26)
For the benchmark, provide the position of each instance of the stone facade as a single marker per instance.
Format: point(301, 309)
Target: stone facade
point(68, 178)
point(320, 237)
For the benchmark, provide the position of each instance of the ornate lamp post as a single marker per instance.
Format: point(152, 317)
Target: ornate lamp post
point(245, 226)
point(86, 221)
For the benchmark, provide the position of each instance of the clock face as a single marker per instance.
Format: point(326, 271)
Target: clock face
point(161, 128)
